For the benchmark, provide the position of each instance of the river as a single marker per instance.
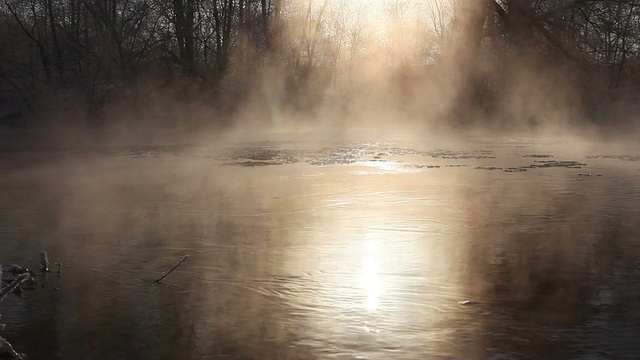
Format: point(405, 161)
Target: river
point(495, 248)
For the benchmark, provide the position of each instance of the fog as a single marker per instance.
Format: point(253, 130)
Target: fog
point(371, 179)
point(420, 67)
point(323, 247)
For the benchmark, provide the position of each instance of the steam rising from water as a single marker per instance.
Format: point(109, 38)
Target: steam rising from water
point(403, 66)
point(308, 235)
point(361, 248)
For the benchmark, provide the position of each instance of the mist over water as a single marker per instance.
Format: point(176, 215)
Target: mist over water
point(445, 65)
point(351, 179)
point(324, 249)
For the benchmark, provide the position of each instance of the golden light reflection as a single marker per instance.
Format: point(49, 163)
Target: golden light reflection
point(385, 167)
point(370, 281)
point(370, 255)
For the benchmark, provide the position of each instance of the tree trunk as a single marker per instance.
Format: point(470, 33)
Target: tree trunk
point(189, 36)
point(54, 36)
point(265, 22)
point(184, 22)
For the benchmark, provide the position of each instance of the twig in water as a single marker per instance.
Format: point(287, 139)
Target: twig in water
point(7, 351)
point(14, 284)
point(173, 268)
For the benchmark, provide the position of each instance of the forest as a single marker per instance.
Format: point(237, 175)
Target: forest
point(177, 63)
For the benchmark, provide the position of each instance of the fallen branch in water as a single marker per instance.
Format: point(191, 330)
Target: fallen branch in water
point(22, 275)
point(173, 268)
point(14, 284)
point(7, 351)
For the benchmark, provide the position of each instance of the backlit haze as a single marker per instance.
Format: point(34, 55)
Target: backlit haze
point(452, 179)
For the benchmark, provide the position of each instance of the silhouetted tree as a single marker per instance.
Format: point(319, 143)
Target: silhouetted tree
point(111, 52)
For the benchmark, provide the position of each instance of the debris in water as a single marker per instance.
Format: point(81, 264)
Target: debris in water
point(515, 169)
point(7, 351)
point(14, 286)
point(17, 270)
point(619, 157)
point(557, 164)
point(173, 268)
point(488, 168)
point(44, 261)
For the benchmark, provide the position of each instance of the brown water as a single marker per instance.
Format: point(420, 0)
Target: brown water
point(340, 250)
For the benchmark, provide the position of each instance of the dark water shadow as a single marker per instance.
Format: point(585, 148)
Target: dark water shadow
point(556, 266)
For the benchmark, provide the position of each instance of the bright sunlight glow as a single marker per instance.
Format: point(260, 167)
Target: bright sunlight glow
point(370, 281)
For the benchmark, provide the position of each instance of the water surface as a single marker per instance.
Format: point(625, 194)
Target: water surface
point(325, 249)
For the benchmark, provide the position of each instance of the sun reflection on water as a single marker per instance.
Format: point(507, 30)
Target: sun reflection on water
point(371, 270)
point(370, 280)
point(384, 167)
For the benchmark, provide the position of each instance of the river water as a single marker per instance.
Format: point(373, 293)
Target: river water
point(325, 249)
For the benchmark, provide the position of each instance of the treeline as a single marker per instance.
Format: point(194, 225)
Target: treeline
point(576, 58)
point(97, 60)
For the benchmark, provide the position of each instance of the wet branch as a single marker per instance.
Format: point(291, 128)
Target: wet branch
point(14, 284)
point(172, 269)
